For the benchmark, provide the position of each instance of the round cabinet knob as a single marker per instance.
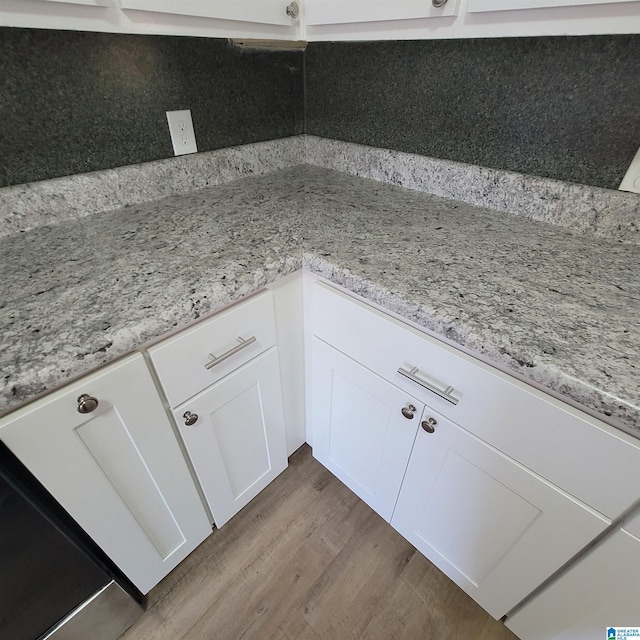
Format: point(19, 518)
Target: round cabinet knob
point(293, 10)
point(408, 411)
point(190, 418)
point(87, 403)
point(438, 3)
point(429, 425)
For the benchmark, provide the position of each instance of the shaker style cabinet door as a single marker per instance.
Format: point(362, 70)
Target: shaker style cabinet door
point(265, 12)
point(116, 467)
point(261, 19)
point(600, 591)
point(235, 436)
point(363, 427)
point(89, 3)
point(496, 529)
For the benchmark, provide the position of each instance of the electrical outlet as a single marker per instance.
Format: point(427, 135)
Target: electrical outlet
point(631, 180)
point(183, 136)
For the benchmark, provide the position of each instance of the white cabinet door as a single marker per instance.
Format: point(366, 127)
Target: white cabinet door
point(319, 12)
point(474, 6)
point(266, 19)
point(600, 591)
point(117, 470)
point(236, 441)
point(359, 430)
point(265, 12)
point(90, 3)
point(491, 18)
point(496, 529)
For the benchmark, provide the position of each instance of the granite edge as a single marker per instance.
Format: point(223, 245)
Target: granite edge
point(27, 206)
point(121, 342)
point(605, 213)
point(596, 402)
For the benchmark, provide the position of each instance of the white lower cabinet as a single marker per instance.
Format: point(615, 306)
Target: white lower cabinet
point(496, 529)
point(222, 378)
point(602, 590)
point(234, 434)
point(501, 486)
point(117, 468)
point(363, 427)
point(105, 447)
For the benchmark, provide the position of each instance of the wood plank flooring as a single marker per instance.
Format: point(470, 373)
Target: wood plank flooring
point(308, 560)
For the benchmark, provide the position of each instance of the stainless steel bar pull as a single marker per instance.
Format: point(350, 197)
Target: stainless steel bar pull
point(445, 395)
point(232, 352)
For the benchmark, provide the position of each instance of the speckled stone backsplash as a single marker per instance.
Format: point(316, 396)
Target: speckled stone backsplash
point(558, 107)
point(73, 102)
point(606, 213)
point(46, 202)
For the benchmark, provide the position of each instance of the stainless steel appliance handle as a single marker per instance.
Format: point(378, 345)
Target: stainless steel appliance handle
point(445, 395)
point(232, 352)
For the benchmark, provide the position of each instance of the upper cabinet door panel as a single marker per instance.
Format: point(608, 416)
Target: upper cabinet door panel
point(90, 3)
point(319, 12)
point(478, 6)
point(248, 11)
point(204, 18)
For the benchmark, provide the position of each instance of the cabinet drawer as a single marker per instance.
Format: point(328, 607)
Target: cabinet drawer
point(184, 363)
point(562, 444)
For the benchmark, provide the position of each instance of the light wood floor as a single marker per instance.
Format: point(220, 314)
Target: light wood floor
point(308, 560)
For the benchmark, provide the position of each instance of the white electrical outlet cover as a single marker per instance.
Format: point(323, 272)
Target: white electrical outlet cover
point(183, 136)
point(631, 180)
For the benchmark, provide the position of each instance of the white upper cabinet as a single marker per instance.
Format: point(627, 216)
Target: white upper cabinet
point(324, 20)
point(267, 19)
point(89, 3)
point(512, 5)
point(376, 20)
point(319, 12)
point(274, 12)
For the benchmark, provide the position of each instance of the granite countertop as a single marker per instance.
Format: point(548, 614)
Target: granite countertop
point(559, 307)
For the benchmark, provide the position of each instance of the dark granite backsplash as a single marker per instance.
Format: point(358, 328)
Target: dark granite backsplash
point(560, 107)
point(72, 102)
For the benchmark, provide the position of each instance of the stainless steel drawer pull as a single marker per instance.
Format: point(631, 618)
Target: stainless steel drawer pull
point(445, 395)
point(232, 352)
